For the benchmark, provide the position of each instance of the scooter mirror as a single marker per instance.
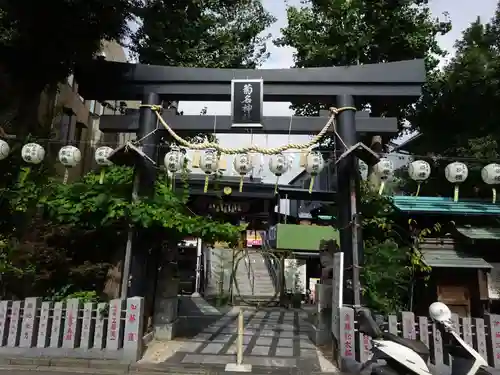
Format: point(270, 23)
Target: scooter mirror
point(439, 312)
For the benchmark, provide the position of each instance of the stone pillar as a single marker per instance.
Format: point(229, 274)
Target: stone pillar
point(165, 315)
point(29, 328)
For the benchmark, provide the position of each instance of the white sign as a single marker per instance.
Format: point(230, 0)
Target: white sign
point(494, 281)
point(337, 292)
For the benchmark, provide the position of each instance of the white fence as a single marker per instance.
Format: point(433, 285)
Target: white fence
point(33, 328)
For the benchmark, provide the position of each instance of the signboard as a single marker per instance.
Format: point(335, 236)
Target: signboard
point(247, 102)
point(254, 238)
point(337, 292)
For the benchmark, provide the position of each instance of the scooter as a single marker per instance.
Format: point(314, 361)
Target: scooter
point(465, 360)
point(402, 356)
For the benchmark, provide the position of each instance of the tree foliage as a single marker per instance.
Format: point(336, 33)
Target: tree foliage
point(457, 115)
point(392, 262)
point(41, 41)
point(339, 33)
point(214, 33)
point(71, 232)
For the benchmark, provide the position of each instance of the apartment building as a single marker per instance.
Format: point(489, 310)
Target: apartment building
point(75, 120)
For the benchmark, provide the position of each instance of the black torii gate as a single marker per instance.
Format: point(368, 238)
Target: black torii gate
point(102, 80)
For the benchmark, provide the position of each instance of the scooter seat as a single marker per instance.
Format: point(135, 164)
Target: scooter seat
point(417, 346)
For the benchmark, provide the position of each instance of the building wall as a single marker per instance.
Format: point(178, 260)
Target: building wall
point(75, 120)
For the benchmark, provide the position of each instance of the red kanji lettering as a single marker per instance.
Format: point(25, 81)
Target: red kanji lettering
point(347, 326)
point(133, 307)
point(498, 355)
point(131, 318)
point(496, 323)
point(131, 336)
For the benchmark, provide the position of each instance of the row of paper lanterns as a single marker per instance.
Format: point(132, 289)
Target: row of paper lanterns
point(174, 161)
point(455, 173)
point(279, 164)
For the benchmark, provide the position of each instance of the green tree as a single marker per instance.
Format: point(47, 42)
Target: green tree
point(459, 111)
point(340, 33)
point(211, 34)
point(75, 229)
point(41, 41)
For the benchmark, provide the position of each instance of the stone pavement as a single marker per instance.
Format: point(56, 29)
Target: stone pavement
point(274, 338)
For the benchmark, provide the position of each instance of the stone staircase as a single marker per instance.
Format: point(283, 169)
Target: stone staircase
point(255, 279)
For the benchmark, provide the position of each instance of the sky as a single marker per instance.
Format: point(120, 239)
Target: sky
point(461, 13)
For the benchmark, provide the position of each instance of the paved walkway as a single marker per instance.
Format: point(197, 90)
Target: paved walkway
point(273, 339)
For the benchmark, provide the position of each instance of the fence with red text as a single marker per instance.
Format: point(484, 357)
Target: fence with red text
point(482, 334)
point(72, 329)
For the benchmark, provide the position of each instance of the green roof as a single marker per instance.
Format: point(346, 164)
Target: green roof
point(480, 233)
point(445, 205)
point(452, 259)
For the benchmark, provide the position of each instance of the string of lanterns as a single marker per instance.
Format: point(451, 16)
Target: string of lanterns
point(209, 162)
point(456, 173)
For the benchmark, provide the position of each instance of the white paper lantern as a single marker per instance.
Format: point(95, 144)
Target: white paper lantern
point(242, 164)
point(209, 163)
point(491, 174)
point(69, 156)
point(32, 153)
point(314, 165)
point(174, 160)
point(384, 169)
point(4, 149)
point(456, 172)
point(101, 156)
point(419, 170)
point(279, 164)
